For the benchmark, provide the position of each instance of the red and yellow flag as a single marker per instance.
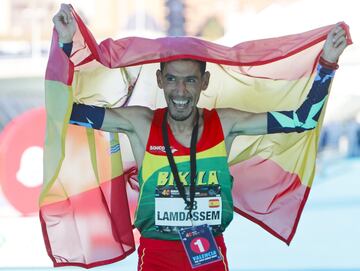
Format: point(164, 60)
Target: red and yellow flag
point(84, 207)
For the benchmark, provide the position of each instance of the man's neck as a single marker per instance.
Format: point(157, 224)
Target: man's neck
point(179, 126)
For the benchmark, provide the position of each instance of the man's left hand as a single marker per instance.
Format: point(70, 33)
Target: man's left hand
point(335, 44)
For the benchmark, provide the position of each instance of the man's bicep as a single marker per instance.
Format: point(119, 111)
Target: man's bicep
point(106, 119)
point(237, 122)
point(124, 119)
point(249, 123)
point(115, 120)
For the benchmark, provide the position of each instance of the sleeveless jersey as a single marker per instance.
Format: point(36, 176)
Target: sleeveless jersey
point(161, 211)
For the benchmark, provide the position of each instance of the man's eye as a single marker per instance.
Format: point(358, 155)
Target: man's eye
point(191, 80)
point(170, 79)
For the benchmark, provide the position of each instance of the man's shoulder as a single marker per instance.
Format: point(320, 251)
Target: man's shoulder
point(211, 114)
point(227, 116)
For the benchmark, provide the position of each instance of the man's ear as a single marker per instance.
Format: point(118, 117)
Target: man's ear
point(205, 80)
point(159, 79)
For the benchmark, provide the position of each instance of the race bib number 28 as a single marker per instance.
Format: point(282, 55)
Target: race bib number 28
point(172, 212)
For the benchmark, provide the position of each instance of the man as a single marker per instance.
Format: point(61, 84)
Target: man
point(171, 196)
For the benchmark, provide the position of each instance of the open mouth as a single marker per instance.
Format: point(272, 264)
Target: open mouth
point(180, 103)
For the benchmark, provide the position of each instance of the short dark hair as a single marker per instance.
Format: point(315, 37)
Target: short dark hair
point(201, 63)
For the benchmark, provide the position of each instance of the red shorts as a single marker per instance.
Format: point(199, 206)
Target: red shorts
point(164, 255)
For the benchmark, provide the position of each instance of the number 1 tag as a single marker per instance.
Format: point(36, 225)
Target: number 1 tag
point(200, 245)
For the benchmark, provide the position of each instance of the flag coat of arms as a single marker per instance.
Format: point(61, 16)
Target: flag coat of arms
point(84, 210)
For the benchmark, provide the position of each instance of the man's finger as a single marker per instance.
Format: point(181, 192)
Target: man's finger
point(56, 17)
point(337, 38)
point(339, 34)
point(340, 42)
point(65, 7)
point(64, 17)
point(59, 17)
point(67, 11)
point(338, 28)
point(336, 31)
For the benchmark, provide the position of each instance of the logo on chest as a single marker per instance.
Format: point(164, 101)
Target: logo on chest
point(161, 149)
point(202, 178)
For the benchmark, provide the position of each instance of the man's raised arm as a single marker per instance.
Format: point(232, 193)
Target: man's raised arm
point(306, 116)
point(111, 120)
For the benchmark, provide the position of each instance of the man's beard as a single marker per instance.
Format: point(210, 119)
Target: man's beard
point(180, 118)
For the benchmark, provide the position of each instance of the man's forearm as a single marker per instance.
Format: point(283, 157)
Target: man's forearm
point(307, 115)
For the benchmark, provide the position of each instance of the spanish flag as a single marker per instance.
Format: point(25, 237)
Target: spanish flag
point(214, 203)
point(84, 209)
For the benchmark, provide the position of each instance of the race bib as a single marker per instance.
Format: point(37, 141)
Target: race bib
point(171, 213)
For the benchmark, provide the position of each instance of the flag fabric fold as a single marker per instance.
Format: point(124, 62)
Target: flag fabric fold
point(84, 208)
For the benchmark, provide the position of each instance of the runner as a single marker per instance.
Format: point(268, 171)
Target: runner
point(185, 200)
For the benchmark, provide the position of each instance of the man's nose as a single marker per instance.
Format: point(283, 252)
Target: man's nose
point(181, 87)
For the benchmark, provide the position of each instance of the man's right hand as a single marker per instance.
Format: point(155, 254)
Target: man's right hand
point(64, 23)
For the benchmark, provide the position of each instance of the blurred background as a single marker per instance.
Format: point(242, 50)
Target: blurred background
point(328, 235)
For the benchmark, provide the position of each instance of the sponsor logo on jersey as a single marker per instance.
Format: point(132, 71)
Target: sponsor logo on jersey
point(202, 178)
point(162, 149)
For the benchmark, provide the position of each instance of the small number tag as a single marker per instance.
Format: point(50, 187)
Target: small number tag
point(200, 245)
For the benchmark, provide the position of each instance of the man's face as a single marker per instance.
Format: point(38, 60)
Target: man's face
point(182, 83)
